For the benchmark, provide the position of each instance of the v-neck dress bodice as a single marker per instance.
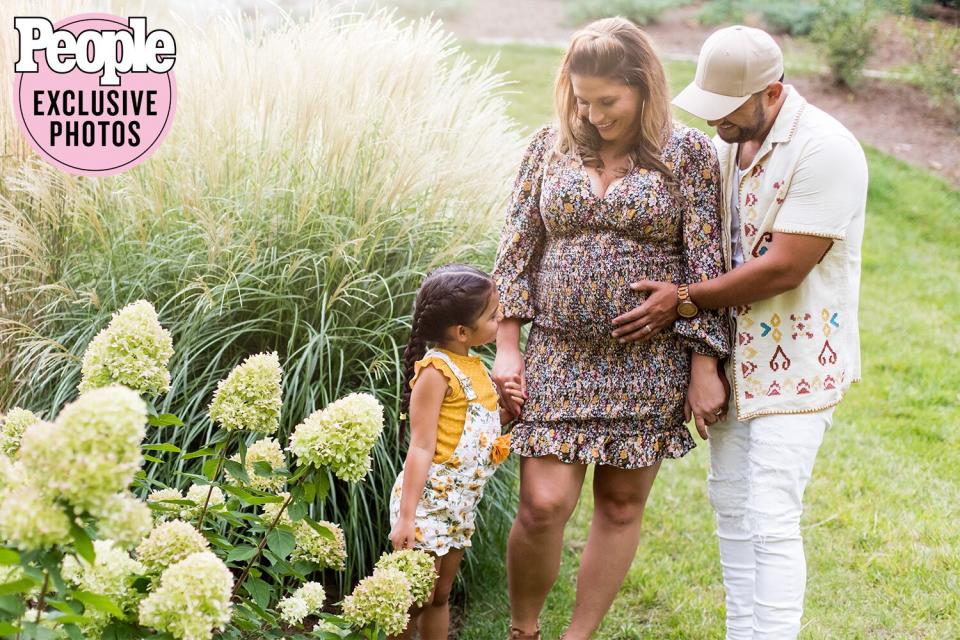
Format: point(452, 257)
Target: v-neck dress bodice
point(566, 260)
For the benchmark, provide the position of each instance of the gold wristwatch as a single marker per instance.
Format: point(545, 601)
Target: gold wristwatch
point(685, 306)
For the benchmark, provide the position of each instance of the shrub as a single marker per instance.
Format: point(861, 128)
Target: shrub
point(845, 31)
point(794, 17)
point(312, 176)
point(721, 13)
point(641, 12)
point(937, 50)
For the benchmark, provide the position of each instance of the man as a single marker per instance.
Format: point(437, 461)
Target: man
point(795, 182)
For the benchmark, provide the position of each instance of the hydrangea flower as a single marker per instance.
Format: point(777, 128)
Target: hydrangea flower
point(29, 519)
point(193, 598)
point(92, 451)
point(382, 599)
point(168, 544)
point(419, 568)
point(198, 494)
point(125, 520)
point(340, 436)
point(112, 575)
point(249, 399)
point(266, 450)
point(165, 510)
point(133, 350)
point(271, 509)
point(312, 546)
point(12, 427)
point(8, 471)
point(293, 610)
point(313, 594)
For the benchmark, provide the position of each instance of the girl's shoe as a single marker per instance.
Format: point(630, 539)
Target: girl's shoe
point(517, 634)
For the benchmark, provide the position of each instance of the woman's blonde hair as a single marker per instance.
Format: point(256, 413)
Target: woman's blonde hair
point(617, 49)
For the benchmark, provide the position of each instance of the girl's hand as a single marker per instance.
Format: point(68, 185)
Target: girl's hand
point(508, 375)
point(707, 395)
point(403, 534)
point(512, 392)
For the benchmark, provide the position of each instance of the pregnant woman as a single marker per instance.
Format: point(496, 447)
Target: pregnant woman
point(613, 194)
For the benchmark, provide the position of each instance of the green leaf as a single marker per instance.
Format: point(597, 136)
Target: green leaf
point(281, 542)
point(82, 543)
point(210, 468)
point(9, 556)
point(248, 497)
point(17, 586)
point(239, 554)
point(120, 631)
point(323, 530)
point(260, 591)
point(206, 451)
point(164, 420)
point(150, 458)
point(297, 511)
point(165, 446)
point(322, 483)
point(7, 629)
point(101, 603)
point(262, 468)
point(236, 469)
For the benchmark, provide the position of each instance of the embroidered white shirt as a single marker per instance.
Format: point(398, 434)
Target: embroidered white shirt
point(799, 351)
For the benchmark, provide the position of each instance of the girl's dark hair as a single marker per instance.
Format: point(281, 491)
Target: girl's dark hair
point(450, 295)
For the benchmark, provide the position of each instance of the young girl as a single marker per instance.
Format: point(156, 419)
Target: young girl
point(455, 422)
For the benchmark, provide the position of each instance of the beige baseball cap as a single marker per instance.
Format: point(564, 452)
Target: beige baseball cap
point(734, 63)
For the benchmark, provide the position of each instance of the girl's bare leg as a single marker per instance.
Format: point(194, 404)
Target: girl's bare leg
point(434, 621)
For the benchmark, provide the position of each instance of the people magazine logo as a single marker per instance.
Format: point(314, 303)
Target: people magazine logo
point(94, 94)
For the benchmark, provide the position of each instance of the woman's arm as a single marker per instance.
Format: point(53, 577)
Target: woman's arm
point(707, 394)
point(508, 365)
point(425, 401)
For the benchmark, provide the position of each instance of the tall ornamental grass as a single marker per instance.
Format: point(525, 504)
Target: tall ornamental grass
point(314, 172)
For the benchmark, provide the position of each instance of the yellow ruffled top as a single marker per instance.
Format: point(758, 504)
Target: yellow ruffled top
point(453, 411)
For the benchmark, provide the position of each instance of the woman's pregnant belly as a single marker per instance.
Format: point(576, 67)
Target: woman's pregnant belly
point(584, 280)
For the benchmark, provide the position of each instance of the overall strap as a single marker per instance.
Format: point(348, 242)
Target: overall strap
point(464, 380)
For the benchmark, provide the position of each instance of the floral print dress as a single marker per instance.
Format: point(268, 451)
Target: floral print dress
point(446, 512)
point(566, 260)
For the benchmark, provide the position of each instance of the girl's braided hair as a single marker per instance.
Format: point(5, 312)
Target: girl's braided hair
point(454, 294)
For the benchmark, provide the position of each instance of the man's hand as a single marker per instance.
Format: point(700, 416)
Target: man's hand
point(656, 313)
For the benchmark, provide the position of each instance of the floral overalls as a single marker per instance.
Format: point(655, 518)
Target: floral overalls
point(447, 509)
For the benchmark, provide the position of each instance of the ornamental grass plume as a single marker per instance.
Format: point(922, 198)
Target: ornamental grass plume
point(418, 566)
point(169, 543)
point(12, 427)
point(313, 546)
point(124, 519)
point(266, 450)
point(382, 599)
point(112, 575)
point(249, 399)
point(92, 451)
point(29, 519)
point(340, 436)
point(193, 598)
point(133, 350)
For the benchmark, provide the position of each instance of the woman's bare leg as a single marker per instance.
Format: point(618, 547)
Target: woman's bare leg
point(619, 499)
point(549, 490)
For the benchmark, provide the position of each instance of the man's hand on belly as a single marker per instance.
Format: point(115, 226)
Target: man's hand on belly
point(656, 313)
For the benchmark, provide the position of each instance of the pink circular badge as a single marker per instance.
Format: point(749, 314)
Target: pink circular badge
point(103, 108)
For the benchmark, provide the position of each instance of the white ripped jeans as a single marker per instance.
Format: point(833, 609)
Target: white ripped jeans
point(758, 471)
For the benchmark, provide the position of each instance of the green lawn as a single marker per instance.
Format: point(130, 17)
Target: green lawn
point(883, 508)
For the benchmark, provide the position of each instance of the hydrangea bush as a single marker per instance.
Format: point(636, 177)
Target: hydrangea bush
point(91, 547)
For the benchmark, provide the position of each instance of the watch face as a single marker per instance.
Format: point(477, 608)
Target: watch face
point(687, 309)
